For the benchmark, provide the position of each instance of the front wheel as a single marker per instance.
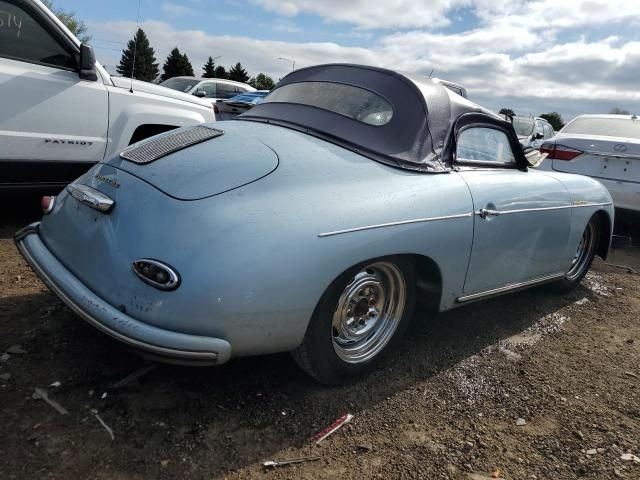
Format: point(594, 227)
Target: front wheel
point(583, 258)
point(362, 315)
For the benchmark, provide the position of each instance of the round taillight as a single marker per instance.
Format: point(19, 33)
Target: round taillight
point(47, 203)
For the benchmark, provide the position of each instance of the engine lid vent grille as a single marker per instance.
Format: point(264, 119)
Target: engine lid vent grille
point(151, 150)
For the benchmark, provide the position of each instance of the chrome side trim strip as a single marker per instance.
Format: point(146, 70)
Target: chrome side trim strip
point(509, 287)
point(393, 224)
point(482, 212)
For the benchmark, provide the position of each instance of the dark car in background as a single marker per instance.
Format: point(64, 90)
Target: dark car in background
point(240, 103)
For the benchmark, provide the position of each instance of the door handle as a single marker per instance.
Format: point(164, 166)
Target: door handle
point(485, 212)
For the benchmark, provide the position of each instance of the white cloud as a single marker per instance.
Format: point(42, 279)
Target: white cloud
point(370, 13)
point(286, 26)
point(512, 57)
point(530, 14)
point(256, 55)
point(175, 9)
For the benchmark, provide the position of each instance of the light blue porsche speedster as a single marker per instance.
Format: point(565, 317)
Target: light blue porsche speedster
point(312, 223)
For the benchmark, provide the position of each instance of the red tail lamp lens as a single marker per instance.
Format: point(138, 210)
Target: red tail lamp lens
point(559, 152)
point(47, 203)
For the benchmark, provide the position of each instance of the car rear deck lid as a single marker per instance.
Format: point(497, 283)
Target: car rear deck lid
point(205, 168)
point(151, 150)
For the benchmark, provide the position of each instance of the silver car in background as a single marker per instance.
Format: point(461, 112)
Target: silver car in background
point(532, 131)
point(604, 147)
point(215, 89)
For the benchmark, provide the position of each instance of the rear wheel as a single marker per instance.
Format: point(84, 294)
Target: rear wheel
point(582, 259)
point(360, 317)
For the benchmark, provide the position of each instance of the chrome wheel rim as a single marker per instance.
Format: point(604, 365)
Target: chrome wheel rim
point(583, 254)
point(368, 313)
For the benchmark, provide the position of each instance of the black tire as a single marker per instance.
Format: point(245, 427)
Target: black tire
point(318, 354)
point(583, 260)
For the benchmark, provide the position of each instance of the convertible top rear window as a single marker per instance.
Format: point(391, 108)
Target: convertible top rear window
point(402, 120)
point(353, 102)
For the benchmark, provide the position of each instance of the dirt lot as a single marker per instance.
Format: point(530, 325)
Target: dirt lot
point(447, 406)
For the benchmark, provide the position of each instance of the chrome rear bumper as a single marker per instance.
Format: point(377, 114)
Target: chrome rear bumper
point(164, 345)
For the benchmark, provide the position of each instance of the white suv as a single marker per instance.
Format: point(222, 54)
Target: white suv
point(61, 112)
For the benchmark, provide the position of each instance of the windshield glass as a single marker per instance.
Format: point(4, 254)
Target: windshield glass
point(353, 102)
point(523, 126)
point(180, 84)
point(623, 127)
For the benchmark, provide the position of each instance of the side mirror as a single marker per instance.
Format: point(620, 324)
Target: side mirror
point(538, 136)
point(199, 94)
point(87, 63)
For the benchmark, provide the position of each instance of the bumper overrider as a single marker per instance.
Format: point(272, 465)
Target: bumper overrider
point(155, 342)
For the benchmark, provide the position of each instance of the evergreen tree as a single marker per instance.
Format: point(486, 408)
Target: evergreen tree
point(146, 67)
point(220, 72)
point(176, 65)
point(555, 119)
point(619, 111)
point(209, 69)
point(507, 112)
point(186, 66)
point(262, 82)
point(238, 73)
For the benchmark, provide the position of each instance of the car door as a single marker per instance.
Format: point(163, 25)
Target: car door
point(48, 112)
point(539, 134)
point(521, 216)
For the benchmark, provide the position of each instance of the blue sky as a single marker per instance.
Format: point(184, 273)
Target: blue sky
point(574, 56)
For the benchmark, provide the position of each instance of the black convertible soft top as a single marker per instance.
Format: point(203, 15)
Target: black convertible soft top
point(414, 137)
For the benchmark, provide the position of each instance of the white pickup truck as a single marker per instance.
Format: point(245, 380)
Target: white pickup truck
point(60, 111)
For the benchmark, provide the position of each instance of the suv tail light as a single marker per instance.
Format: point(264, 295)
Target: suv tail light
point(559, 152)
point(215, 108)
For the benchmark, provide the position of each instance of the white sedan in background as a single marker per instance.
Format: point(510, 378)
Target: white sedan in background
point(604, 147)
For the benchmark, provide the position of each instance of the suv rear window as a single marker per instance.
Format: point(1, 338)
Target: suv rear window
point(180, 84)
point(523, 126)
point(353, 102)
point(612, 127)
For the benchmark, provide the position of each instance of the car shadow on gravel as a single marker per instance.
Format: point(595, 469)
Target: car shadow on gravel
point(20, 208)
point(250, 409)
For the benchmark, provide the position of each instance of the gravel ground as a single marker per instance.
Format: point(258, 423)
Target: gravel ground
point(531, 385)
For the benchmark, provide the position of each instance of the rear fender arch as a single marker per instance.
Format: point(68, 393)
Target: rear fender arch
point(606, 228)
point(428, 278)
